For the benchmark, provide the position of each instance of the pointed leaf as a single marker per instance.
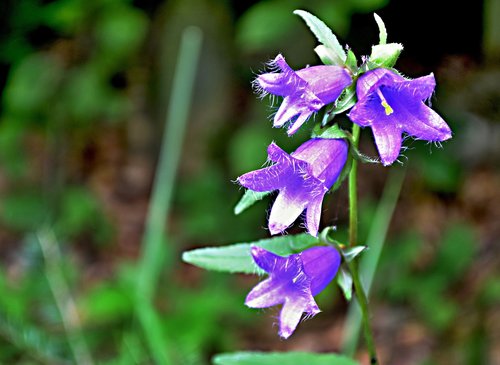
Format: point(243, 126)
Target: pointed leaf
point(344, 281)
point(248, 199)
point(326, 55)
point(237, 258)
point(281, 358)
point(324, 35)
point(351, 252)
point(381, 28)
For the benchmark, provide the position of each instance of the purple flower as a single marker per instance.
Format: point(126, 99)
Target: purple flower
point(293, 281)
point(305, 91)
point(391, 105)
point(302, 178)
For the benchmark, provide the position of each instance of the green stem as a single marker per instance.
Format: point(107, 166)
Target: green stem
point(353, 241)
point(363, 304)
point(353, 192)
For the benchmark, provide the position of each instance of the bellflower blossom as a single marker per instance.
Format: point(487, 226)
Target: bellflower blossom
point(391, 105)
point(302, 178)
point(305, 91)
point(293, 281)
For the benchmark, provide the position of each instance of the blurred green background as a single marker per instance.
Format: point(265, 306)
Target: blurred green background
point(87, 277)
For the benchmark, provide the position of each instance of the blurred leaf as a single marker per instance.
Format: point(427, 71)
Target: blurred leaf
point(324, 36)
point(106, 303)
point(248, 199)
point(80, 212)
point(237, 257)
point(456, 251)
point(12, 154)
point(23, 210)
point(32, 84)
point(288, 358)
point(120, 30)
point(264, 25)
point(441, 172)
point(65, 15)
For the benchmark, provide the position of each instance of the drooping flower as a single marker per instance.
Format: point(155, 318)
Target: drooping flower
point(293, 281)
point(302, 178)
point(305, 91)
point(391, 105)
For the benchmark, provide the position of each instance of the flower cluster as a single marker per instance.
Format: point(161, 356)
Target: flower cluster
point(379, 98)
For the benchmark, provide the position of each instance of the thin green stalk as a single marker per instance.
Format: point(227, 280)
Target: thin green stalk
point(368, 263)
point(62, 297)
point(353, 241)
point(353, 192)
point(363, 304)
point(154, 246)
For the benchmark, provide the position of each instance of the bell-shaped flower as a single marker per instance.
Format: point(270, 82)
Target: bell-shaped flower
point(302, 178)
point(305, 91)
point(391, 105)
point(293, 281)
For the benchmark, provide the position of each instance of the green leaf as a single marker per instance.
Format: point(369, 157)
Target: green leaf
point(352, 252)
point(333, 132)
point(326, 55)
point(248, 199)
point(346, 100)
point(381, 28)
point(284, 358)
point(385, 55)
point(324, 36)
point(351, 61)
point(237, 258)
point(344, 281)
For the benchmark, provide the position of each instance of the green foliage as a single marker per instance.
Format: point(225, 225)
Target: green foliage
point(325, 36)
point(248, 199)
point(237, 257)
point(289, 358)
point(452, 259)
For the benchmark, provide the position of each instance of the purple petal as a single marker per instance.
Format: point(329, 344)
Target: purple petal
point(320, 265)
point(276, 154)
point(313, 215)
point(326, 82)
point(267, 179)
point(305, 103)
point(267, 261)
point(301, 119)
point(292, 312)
point(327, 157)
point(286, 209)
point(420, 88)
point(266, 294)
point(373, 79)
point(428, 125)
point(388, 140)
point(282, 84)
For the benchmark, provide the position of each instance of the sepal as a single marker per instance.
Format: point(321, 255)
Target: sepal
point(344, 281)
point(385, 55)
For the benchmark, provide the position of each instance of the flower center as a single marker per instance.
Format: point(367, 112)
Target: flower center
point(388, 109)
